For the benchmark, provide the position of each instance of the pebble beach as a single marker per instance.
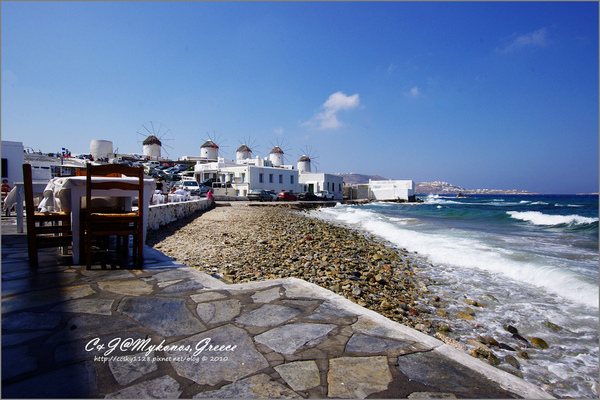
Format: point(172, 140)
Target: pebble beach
point(241, 242)
point(250, 243)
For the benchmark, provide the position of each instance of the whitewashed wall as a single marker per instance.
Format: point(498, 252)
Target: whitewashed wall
point(162, 214)
point(13, 153)
point(322, 181)
point(392, 189)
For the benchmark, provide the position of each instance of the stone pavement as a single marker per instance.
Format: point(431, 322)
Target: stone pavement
point(170, 331)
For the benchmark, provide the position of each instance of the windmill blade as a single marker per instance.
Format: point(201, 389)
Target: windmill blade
point(309, 152)
point(147, 130)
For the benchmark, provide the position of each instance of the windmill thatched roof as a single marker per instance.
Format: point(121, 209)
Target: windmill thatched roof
point(304, 158)
point(244, 148)
point(276, 150)
point(209, 144)
point(151, 140)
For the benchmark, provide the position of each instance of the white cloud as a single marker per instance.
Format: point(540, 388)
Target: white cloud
point(391, 68)
point(414, 92)
point(538, 38)
point(327, 119)
point(278, 131)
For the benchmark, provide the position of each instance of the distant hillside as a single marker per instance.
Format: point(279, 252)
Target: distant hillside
point(438, 188)
point(359, 179)
point(429, 187)
point(448, 188)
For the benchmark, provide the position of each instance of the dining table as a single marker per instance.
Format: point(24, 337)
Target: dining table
point(68, 194)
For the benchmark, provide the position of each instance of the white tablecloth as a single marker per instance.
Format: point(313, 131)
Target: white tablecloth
point(158, 198)
point(68, 194)
point(17, 196)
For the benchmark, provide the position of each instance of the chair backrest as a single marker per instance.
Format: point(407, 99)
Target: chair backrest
point(83, 172)
point(112, 170)
point(29, 206)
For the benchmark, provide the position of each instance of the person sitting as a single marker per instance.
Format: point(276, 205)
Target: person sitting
point(5, 186)
point(5, 191)
point(180, 194)
point(182, 191)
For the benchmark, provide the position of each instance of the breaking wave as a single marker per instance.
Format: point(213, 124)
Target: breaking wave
point(538, 218)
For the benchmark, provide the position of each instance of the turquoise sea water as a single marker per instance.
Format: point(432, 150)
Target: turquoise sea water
point(533, 260)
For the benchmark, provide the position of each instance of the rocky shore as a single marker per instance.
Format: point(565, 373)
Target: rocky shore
point(241, 244)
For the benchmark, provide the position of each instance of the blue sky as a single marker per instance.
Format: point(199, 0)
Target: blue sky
point(497, 95)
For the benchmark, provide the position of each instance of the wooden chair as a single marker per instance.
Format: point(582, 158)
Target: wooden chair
point(120, 223)
point(83, 172)
point(39, 235)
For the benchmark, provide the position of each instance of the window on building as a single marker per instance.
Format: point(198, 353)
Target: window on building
point(260, 178)
point(327, 186)
point(243, 177)
point(270, 178)
point(340, 187)
point(4, 168)
point(280, 178)
point(292, 179)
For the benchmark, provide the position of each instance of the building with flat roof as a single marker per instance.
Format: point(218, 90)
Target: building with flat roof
point(239, 178)
point(392, 190)
point(319, 182)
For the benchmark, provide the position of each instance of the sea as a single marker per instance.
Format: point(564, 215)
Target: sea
point(531, 260)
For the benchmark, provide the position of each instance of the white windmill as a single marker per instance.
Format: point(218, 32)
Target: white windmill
point(211, 147)
point(307, 159)
point(277, 154)
point(245, 151)
point(155, 137)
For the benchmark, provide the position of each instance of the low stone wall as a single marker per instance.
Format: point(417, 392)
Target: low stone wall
point(222, 197)
point(162, 214)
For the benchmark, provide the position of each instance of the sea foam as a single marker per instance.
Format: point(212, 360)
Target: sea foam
point(460, 249)
point(538, 218)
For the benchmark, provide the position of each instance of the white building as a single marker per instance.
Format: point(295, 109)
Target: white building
point(392, 190)
point(318, 182)
point(12, 161)
point(44, 167)
point(238, 179)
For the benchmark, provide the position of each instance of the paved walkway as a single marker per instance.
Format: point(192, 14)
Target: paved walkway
point(170, 331)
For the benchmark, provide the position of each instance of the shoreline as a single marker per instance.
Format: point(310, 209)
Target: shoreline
point(245, 244)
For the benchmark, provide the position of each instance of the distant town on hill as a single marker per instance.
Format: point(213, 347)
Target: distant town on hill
point(436, 187)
